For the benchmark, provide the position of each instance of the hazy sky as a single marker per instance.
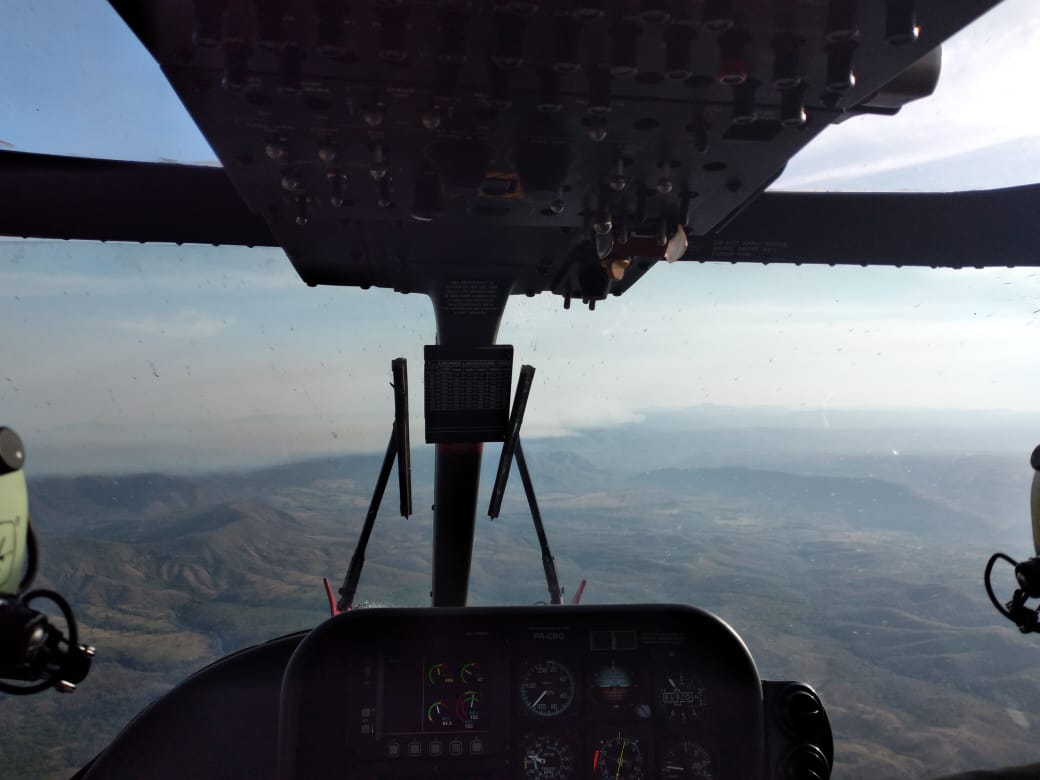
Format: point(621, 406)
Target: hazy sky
point(157, 355)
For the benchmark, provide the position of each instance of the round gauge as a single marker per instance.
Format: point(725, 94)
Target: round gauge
point(545, 757)
point(437, 674)
point(547, 688)
point(618, 758)
point(686, 760)
point(613, 684)
point(471, 674)
point(439, 715)
point(468, 706)
point(682, 696)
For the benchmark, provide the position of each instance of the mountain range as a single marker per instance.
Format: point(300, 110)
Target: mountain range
point(857, 573)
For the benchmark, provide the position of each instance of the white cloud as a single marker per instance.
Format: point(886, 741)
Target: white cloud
point(185, 324)
point(979, 104)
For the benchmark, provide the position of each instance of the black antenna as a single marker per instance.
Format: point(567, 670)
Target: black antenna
point(511, 449)
point(398, 448)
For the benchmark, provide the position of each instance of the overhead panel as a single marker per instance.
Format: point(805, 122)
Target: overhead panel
point(563, 146)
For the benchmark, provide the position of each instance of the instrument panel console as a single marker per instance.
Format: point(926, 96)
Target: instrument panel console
point(540, 693)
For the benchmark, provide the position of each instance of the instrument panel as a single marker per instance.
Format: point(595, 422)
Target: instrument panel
point(551, 693)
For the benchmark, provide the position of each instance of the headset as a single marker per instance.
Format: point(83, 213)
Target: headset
point(1027, 573)
point(34, 654)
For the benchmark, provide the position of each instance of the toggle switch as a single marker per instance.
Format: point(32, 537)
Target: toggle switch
point(677, 56)
point(599, 91)
point(508, 46)
point(453, 19)
point(841, 21)
point(718, 15)
point(733, 64)
point(616, 180)
point(549, 101)
point(498, 90)
point(787, 66)
point(840, 76)
point(901, 22)
point(270, 23)
point(792, 107)
point(209, 23)
point(624, 43)
point(236, 58)
point(331, 20)
point(290, 61)
point(587, 10)
point(744, 112)
point(337, 184)
point(383, 199)
point(566, 48)
point(377, 168)
point(393, 23)
point(655, 11)
point(302, 211)
point(426, 203)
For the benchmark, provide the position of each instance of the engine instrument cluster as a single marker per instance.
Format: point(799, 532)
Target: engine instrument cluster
point(553, 693)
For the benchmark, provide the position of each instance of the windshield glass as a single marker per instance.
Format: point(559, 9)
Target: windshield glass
point(825, 457)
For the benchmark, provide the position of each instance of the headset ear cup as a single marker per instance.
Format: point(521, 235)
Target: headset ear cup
point(14, 520)
point(1034, 500)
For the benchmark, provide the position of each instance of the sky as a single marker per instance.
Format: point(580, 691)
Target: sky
point(124, 357)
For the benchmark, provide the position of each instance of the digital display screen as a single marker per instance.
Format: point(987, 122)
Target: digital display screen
point(434, 695)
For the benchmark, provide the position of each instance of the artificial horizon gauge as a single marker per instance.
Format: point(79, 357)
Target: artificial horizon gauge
point(681, 695)
point(686, 760)
point(618, 758)
point(545, 757)
point(613, 685)
point(547, 688)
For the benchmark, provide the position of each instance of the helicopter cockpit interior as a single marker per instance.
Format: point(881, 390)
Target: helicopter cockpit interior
point(475, 152)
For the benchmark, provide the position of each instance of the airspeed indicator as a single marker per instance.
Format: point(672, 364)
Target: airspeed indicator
point(547, 688)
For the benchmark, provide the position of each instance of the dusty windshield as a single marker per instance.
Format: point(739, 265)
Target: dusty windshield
point(824, 457)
